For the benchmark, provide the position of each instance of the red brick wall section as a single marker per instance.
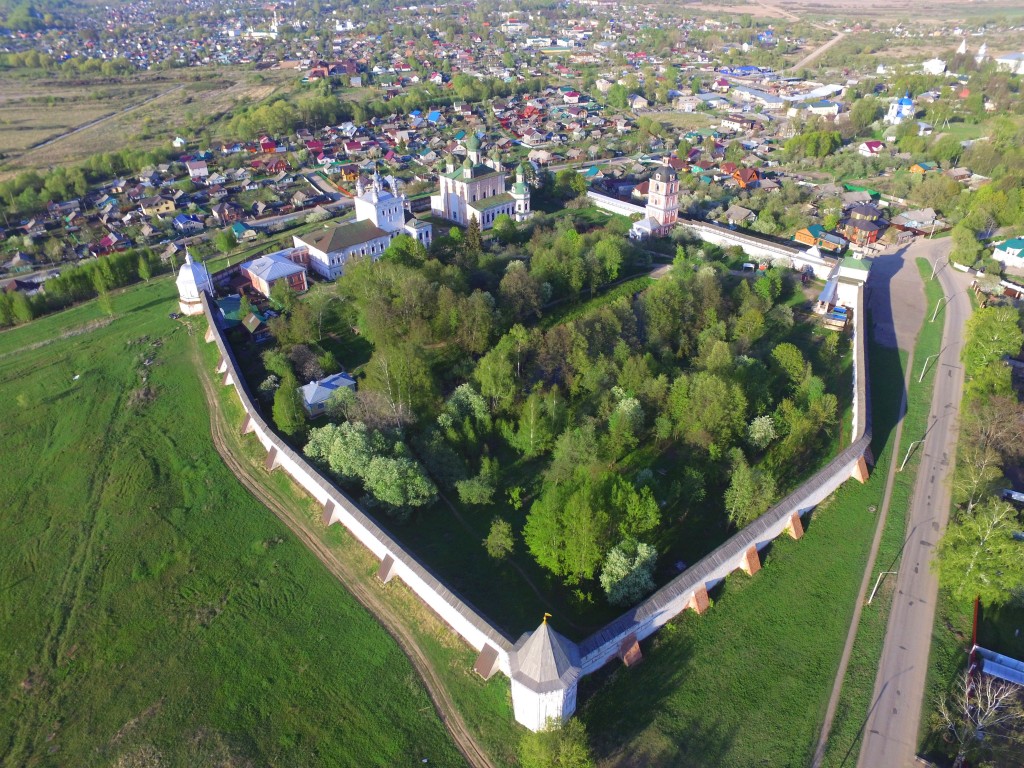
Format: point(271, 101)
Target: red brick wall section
point(700, 601)
point(795, 527)
point(629, 652)
point(751, 563)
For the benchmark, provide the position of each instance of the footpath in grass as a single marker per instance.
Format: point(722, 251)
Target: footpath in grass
point(151, 611)
point(485, 706)
point(748, 682)
point(858, 684)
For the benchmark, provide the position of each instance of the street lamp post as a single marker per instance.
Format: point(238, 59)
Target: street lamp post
point(935, 266)
point(879, 581)
point(925, 368)
point(916, 442)
point(938, 304)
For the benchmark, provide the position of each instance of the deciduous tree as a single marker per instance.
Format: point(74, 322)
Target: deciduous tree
point(628, 572)
point(979, 556)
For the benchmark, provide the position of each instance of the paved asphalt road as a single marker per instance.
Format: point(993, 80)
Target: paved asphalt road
point(890, 735)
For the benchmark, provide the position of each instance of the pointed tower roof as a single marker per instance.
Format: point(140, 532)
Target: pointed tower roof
point(544, 660)
point(192, 279)
point(473, 144)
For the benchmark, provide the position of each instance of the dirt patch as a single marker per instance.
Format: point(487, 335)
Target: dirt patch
point(142, 396)
point(136, 721)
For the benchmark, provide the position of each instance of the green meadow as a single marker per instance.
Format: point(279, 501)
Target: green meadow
point(152, 613)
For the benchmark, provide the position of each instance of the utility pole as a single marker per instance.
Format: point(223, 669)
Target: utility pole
point(879, 581)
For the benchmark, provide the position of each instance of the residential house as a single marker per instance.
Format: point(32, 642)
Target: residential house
point(737, 214)
point(637, 102)
point(816, 235)
point(922, 168)
point(111, 243)
point(317, 394)
point(156, 206)
point(923, 219)
point(960, 175)
point(256, 326)
point(188, 223)
point(197, 170)
point(287, 266)
point(1010, 254)
point(747, 178)
point(870, 148)
point(227, 213)
point(861, 231)
point(243, 233)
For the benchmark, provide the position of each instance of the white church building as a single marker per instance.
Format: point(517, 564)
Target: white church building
point(380, 218)
point(900, 110)
point(476, 190)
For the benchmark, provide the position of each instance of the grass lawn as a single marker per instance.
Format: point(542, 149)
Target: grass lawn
point(858, 684)
point(684, 120)
point(151, 611)
point(747, 683)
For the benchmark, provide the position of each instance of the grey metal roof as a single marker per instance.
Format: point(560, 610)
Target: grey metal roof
point(272, 267)
point(544, 660)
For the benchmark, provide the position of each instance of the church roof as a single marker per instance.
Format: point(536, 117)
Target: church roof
point(473, 144)
point(664, 173)
point(469, 171)
point(545, 661)
point(494, 201)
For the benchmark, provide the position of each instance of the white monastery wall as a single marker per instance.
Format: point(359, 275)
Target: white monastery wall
point(688, 590)
point(462, 618)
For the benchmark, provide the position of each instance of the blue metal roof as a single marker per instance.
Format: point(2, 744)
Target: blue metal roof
point(1003, 667)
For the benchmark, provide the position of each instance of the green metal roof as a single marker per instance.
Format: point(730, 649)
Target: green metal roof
point(492, 202)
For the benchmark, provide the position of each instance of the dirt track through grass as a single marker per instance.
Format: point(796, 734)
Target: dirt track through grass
point(350, 577)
